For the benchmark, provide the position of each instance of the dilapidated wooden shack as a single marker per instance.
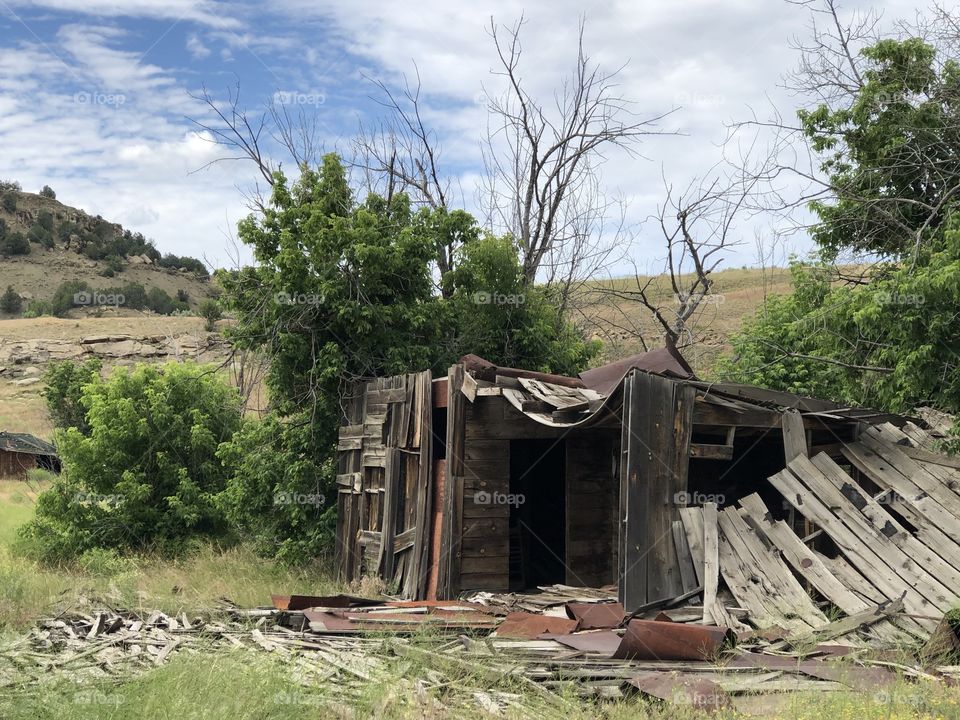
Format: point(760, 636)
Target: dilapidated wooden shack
point(503, 479)
point(20, 452)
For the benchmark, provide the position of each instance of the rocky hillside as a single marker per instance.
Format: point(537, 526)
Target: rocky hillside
point(44, 243)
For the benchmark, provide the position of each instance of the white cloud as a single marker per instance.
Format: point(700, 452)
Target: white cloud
point(206, 12)
point(196, 48)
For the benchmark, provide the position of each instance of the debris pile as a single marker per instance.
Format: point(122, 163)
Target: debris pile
point(479, 650)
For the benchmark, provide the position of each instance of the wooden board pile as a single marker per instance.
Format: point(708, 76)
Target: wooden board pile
point(516, 651)
point(893, 519)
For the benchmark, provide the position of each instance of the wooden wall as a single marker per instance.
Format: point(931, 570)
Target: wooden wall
point(485, 547)
point(15, 465)
point(592, 497)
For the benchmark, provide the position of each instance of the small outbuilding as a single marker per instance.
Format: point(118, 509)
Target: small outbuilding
point(20, 452)
point(503, 479)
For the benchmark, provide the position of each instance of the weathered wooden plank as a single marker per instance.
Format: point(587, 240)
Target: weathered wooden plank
point(692, 519)
point(469, 387)
point(708, 451)
point(688, 575)
point(794, 435)
point(449, 570)
point(710, 546)
point(859, 552)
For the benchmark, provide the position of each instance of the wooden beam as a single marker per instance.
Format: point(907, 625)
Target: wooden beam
point(706, 451)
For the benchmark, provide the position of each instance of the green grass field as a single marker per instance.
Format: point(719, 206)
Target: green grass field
point(243, 684)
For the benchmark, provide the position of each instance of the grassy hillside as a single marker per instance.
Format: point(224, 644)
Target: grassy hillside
point(65, 243)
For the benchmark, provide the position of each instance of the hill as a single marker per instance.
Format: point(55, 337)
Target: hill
point(44, 243)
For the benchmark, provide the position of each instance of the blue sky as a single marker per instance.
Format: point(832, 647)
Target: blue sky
point(95, 94)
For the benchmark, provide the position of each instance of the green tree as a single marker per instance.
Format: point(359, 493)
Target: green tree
point(146, 474)
point(63, 390)
point(47, 192)
point(68, 295)
point(10, 302)
point(160, 301)
point(892, 156)
point(496, 314)
point(9, 202)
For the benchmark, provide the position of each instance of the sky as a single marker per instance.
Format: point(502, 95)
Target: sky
point(97, 96)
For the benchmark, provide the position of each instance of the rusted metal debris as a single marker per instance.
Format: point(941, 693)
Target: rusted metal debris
point(529, 626)
point(654, 640)
point(301, 602)
point(596, 616)
point(683, 690)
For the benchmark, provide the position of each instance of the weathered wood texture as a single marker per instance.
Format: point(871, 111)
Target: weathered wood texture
point(15, 465)
point(657, 423)
point(591, 504)
point(384, 483)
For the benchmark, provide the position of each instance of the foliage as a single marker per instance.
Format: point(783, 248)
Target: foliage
point(169, 260)
point(12, 242)
point(893, 155)
point(10, 302)
point(47, 192)
point(160, 301)
point(891, 344)
point(9, 202)
point(146, 474)
point(64, 295)
point(278, 496)
point(63, 389)
point(38, 308)
point(497, 315)
point(210, 311)
point(10, 186)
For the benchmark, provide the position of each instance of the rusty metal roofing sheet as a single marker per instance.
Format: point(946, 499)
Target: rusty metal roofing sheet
point(594, 616)
point(662, 361)
point(683, 689)
point(656, 640)
point(528, 625)
point(302, 602)
point(600, 642)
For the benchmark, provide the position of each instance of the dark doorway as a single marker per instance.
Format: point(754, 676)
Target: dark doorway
point(538, 514)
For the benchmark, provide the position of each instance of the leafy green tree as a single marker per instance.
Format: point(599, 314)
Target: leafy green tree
point(47, 192)
point(893, 155)
point(13, 243)
point(63, 390)
point(893, 343)
point(10, 302)
point(279, 496)
point(496, 314)
point(146, 474)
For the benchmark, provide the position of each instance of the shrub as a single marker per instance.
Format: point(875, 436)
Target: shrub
point(10, 302)
point(10, 186)
point(63, 297)
point(146, 475)
point(9, 202)
point(14, 243)
point(47, 192)
point(210, 311)
point(38, 308)
point(63, 388)
point(40, 235)
point(160, 301)
point(183, 296)
point(113, 265)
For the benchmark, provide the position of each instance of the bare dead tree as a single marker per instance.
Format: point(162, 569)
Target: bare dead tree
point(541, 162)
point(246, 135)
point(401, 153)
point(697, 226)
